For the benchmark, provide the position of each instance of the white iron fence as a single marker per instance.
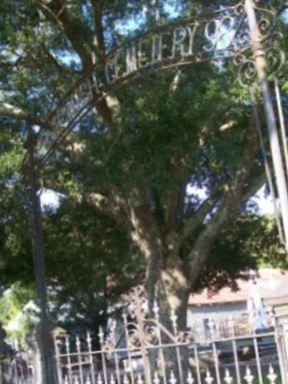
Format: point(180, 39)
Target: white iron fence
point(251, 358)
point(143, 351)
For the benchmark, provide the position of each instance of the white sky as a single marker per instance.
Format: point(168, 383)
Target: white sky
point(49, 198)
point(265, 203)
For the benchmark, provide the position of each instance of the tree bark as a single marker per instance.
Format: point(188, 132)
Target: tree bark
point(172, 291)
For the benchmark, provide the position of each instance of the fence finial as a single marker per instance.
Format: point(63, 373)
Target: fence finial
point(139, 379)
point(67, 344)
point(249, 377)
point(125, 380)
point(190, 379)
point(228, 378)
point(88, 339)
point(174, 319)
point(112, 379)
point(156, 310)
point(101, 335)
point(209, 379)
point(156, 379)
point(272, 375)
point(172, 378)
point(78, 344)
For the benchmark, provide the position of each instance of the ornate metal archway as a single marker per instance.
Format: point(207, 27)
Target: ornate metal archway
point(244, 33)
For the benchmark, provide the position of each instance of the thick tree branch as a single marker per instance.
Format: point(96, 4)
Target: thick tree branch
point(135, 217)
point(9, 110)
point(146, 234)
point(110, 208)
point(99, 42)
point(175, 199)
point(227, 209)
point(173, 203)
point(59, 11)
point(106, 105)
point(147, 237)
point(196, 218)
point(139, 222)
point(253, 186)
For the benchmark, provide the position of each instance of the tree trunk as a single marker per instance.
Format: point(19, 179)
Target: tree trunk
point(172, 292)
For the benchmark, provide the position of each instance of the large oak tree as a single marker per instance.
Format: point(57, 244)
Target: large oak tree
point(135, 153)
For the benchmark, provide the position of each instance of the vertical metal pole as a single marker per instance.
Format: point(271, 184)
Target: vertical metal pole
point(282, 123)
point(236, 360)
point(278, 334)
point(216, 363)
point(143, 346)
point(58, 361)
point(195, 347)
point(258, 361)
point(44, 337)
point(68, 355)
point(260, 65)
point(267, 168)
point(128, 347)
point(90, 352)
point(79, 358)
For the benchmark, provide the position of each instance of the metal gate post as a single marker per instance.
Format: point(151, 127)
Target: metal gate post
point(260, 65)
point(43, 335)
point(285, 345)
point(280, 339)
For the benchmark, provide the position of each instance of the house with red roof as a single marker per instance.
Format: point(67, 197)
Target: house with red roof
point(237, 311)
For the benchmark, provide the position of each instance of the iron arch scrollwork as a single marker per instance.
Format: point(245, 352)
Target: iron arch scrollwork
point(270, 42)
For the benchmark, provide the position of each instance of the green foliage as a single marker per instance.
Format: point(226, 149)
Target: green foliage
point(90, 263)
point(15, 315)
point(250, 242)
point(15, 262)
